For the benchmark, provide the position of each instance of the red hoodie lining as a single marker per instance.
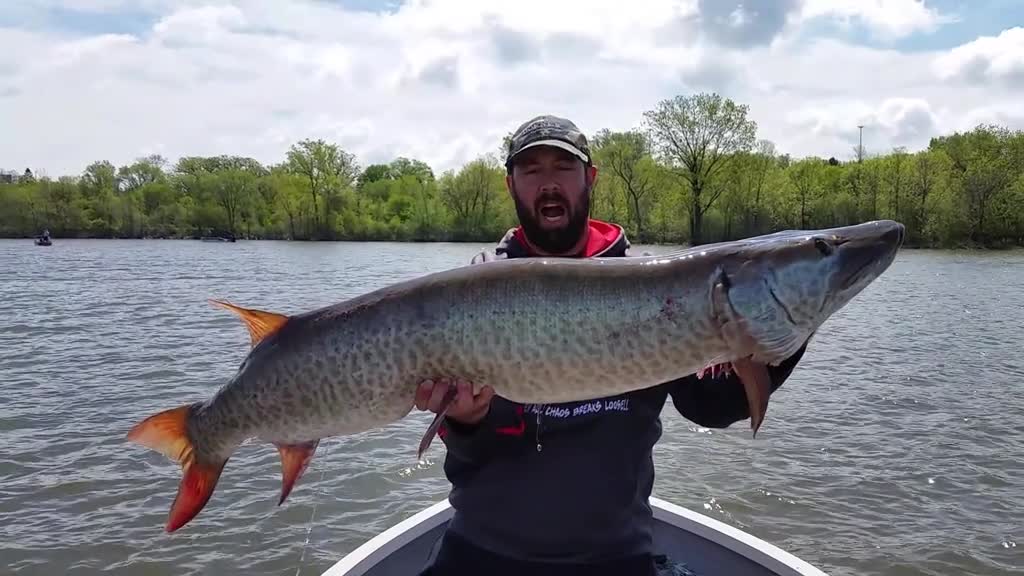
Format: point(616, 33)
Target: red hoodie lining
point(603, 236)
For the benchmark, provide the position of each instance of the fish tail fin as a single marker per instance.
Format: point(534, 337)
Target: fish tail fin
point(167, 432)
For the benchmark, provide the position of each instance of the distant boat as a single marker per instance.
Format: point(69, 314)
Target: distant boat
point(44, 240)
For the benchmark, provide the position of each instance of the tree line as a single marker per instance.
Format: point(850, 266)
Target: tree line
point(693, 172)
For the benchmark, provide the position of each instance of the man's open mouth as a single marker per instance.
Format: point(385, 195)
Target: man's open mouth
point(552, 210)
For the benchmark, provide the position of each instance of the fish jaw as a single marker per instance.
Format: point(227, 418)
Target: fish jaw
point(864, 253)
point(770, 306)
point(781, 288)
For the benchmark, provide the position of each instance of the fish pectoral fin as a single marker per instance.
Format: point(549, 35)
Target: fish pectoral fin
point(757, 383)
point(431, 431)
point(167, 433)
point(259, 322)
point(295, 458)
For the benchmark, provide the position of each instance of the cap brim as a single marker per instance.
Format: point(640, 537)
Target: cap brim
point(557, 144)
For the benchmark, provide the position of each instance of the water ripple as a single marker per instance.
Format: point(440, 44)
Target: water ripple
point(895, 448)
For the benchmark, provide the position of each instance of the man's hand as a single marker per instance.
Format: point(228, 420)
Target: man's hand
point(467, 408)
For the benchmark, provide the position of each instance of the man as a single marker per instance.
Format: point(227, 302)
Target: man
point(561, 489)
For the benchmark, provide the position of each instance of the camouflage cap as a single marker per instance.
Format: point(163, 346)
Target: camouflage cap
point(549, 130)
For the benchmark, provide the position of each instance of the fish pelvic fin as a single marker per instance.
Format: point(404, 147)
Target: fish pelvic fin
point(167, 433)
point(757, 384)
point(295, 458)
point(431, 431)
point(259, 322)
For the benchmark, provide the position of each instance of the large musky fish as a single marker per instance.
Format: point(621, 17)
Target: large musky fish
point(537, 330)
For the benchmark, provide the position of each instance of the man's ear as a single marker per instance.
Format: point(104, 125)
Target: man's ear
point(592, 174)
point(508, 183)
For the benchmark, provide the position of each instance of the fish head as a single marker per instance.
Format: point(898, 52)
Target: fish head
point(777, 290)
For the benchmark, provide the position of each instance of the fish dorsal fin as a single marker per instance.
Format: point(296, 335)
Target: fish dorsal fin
point(259, 322)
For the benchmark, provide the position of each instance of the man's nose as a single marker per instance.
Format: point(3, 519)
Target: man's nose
point(550, 185)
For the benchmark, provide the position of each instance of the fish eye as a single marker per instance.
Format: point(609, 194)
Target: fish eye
point(824, 247)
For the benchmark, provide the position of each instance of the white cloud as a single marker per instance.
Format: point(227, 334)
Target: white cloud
point(740, 23)
point(989, 58)
point(887, 18)
point(106, 5)
point(74, 52)
point(96, 6)
point(443, 81)
point(908, 122)
point(1010, 115)
point(208, 23)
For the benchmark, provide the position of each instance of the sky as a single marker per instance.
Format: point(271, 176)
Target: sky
point(444, 80)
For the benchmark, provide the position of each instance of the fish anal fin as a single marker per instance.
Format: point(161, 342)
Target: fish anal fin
point(295, 458)
point(259, 322)
point(167, 432)
point(757, 384)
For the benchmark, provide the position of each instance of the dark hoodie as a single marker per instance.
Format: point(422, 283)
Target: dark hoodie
point(569, 483)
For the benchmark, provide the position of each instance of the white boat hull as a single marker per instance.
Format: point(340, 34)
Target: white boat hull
point(704, 544)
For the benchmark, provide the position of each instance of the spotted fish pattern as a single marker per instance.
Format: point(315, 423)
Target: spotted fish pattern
point(537, 330)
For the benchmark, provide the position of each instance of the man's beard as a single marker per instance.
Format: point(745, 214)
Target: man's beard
point(554, 241)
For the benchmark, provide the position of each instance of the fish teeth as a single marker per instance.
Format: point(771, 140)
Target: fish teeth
point(725, 368)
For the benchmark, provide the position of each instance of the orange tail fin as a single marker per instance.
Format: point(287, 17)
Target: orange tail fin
point(166, 433)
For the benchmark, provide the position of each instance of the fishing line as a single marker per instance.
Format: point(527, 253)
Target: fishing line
point(316, 501)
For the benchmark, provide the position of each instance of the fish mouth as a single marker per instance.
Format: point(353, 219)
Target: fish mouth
point(866, 257)
point(858, 274)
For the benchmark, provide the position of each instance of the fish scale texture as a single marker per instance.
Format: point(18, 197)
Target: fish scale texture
point(541, 335)
point(540, 331)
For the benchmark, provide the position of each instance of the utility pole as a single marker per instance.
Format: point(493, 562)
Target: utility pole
point(860, 146)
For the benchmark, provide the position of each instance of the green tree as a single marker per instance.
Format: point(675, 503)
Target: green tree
point(690, 174)
point(627, 157)
point(328, 170)
point(699, 135)
point(473, 196)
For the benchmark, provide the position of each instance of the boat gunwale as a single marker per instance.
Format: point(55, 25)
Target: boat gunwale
point(747, 545)
point(370, 553)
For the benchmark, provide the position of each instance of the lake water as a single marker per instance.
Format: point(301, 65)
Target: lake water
point(896, 448)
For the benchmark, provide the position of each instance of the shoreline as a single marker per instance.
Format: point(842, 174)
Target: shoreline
point(960, 247)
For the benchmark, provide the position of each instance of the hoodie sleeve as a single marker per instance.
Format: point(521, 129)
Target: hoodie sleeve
point(502, 429)
point(721, 401)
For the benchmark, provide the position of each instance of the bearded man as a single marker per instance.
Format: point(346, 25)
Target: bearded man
point(562, 489)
